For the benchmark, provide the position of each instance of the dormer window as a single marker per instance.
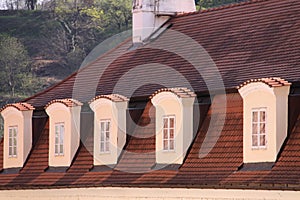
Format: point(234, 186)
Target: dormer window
point(12, 138)
point(173, 122)
point(59, 139)
point(259, 139)
point(104, 136)
point(64, 131)
point(109, 128)
point(169, 131)
point(17, 134)
point(265, 103)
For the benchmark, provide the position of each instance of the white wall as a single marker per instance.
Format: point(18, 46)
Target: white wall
point(120, 193)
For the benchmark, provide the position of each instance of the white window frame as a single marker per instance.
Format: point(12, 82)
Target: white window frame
point(59, 137)
point(168, 129)
point(12, 141)
point(258, 123)
point(104, 141)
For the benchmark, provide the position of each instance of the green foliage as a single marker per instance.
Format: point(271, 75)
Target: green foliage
point(15, 73)
point(205, 4)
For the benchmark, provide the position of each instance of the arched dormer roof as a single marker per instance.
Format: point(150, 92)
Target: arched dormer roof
point(66, 102)
point(179, 92)
point(111, 97)
point(271, 82)
point(19, 106)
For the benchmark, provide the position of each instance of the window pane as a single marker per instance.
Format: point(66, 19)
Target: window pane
point(172, 121)
point(107, 136)
point(107, 126)
point(102, 136)
point(102, 126)
point(15, 142)
point(10, 151)
point(262, 140)
point(10, 132)
point(107, 146)
point(165, 122)
point(165, 133)
point(171, 144)
point(15, 132)
point(61, 150)
point(15, 151)
point(262, 128)
point(254, 140)
point(171, 133)
point(262, 116)
point(255, 116)
point(165, 144)
point(102, 147)
point(56, 149)
point(254, 129)
point(10, 142)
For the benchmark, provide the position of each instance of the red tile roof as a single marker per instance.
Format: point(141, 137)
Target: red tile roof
point(180, 92)
point(19, 106)
point(248, 41)
point(271, 82)
point(112, 97)
point(66, 102)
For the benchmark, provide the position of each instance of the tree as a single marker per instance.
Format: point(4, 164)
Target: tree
point(14, 64)
point(204, 4)
point(30, 4)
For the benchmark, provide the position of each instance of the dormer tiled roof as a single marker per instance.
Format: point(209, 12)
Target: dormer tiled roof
point(112, 97)
point(19, 106)
point(271, 82)
point(180, 92)
point(66, 102)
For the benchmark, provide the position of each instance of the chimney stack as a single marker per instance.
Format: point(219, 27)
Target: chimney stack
point(149, 15)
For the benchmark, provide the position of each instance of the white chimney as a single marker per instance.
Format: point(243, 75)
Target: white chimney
point(149, 15)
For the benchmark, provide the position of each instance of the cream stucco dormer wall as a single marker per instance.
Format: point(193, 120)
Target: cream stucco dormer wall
point(168, 103)
point(274, 100)
point(22, 119)
point(112, 108)
point(70, 116)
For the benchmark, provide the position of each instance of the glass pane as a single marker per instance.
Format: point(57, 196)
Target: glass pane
point(254, 128)
point(15, 132)
point(56, 129)
point(262, 116)
point(254, 140)
point(262, 140)
point(165, 122)
point(172, 120)
point(107, 126)
point(171, 144)
point(101, 147)
point(10, 142)
point(61, 150)
point(56, 149)
point(15, 151)
point(165, 133)
point(262, 128)
point(102, 126)
point(15, 142)
point(165, 144)
point(107, 136)
point(56, 139)
point(10, 132)
point(107, 146)
point(171, 133)
point(10, 151)
point(254, 116)
point(102, 136)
